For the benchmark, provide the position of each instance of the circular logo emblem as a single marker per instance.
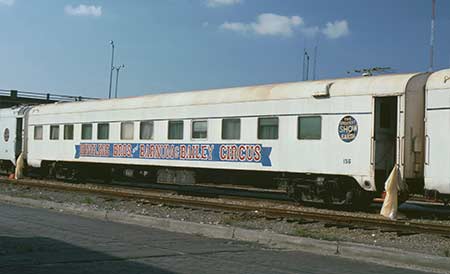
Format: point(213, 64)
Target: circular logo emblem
point(348, 129)
point(6, 135)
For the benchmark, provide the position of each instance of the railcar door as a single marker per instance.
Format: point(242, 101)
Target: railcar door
point(385, 137)
point(19, 127)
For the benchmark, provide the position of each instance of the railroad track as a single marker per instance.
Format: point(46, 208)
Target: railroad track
point(274, 211)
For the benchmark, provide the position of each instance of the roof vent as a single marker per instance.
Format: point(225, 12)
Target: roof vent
point(323, 91)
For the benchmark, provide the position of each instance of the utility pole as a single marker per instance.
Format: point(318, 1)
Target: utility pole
point(303, 68)
point(117, 77)
point(314, 62)
point(433, 17)
point(305, 65)
point(112, 68)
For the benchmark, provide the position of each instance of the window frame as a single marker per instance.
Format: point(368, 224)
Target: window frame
point(222, 128)
point(122, 131)
point(41, 127)
point(259, 127)
point(298, 126)
point(168, 129)
point(92, 129)
point(50, 136)
point(192, 130)
point(98, 131)
point(152, 122)
point(64, 131)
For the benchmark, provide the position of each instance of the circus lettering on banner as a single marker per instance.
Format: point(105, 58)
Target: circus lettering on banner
point(245, 153)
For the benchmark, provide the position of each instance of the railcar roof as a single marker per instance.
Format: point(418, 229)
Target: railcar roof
point(373, 85)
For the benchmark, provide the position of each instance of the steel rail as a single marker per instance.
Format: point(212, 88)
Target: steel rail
point(276, 212)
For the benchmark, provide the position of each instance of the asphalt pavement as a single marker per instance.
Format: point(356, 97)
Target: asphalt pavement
point(45, 241)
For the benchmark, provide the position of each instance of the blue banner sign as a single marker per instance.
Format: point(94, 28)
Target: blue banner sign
point(246, 153)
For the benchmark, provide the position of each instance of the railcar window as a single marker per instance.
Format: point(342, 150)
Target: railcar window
point(268, 128)
point(54, 132)
point(146, 130)
point(231, 129)
point(176, 130)
point(86, 131)
point(199, 129)
point(127, 130)
point(309, 128)
point(68, 132)
point(103, 131)
point(38, 132)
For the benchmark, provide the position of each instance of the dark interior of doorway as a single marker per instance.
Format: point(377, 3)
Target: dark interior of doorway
point(19, 126)
point(385, 135)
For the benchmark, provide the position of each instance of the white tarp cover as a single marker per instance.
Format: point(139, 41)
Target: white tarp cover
point(392, 186)
point(19, 167)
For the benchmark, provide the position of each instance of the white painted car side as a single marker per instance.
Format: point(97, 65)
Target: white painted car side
point(8, 135)
point(437, 123)
point(331, 100)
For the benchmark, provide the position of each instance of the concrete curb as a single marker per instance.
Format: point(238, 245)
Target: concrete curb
point(361, 252)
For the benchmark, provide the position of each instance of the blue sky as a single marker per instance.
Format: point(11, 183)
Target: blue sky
point(178, 45)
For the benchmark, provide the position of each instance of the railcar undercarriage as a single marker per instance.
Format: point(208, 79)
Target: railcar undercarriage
point(6, 167)
point(316, 188)
point(329, 189)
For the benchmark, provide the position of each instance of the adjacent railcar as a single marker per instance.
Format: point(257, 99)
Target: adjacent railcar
point(329, 140)
point(437, 124)
point(11, 140)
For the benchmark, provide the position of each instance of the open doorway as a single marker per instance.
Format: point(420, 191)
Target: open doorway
point(19, 126)
point(385, 135)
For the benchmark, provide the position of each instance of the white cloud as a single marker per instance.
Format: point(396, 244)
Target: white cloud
point(336, 29)
point(7, 2)
point(83, 10)
point(219, 3)
point(267, 24)
point(279, 25)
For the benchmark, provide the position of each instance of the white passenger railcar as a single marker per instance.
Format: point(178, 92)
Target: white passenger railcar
point(11, 141)
point(437, 124)
point(333, 140)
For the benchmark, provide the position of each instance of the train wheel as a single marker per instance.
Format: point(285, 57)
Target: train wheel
point(294, 193)
point(361, 199)
point(49, 171)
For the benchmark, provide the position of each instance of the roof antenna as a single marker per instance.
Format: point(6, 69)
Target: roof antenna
point(370, 71)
